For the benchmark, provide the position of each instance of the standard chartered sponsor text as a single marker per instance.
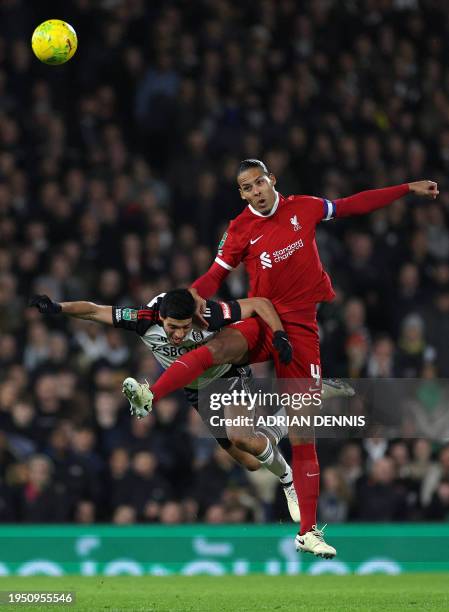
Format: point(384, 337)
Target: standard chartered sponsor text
point(287, 251)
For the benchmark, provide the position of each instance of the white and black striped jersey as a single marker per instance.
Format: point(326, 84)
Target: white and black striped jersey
point(146, 322)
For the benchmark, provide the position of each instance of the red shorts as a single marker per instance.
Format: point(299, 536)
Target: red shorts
point(302, 329)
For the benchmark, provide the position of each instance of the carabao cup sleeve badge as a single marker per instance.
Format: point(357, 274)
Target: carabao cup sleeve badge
point(129, 314)
point(221, 244)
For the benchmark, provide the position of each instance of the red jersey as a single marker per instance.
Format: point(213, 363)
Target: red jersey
point(279, 251)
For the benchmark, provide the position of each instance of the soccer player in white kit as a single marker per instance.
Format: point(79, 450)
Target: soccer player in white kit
point(165, 325)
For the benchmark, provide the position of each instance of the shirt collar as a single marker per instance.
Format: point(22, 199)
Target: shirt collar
point(272, 211)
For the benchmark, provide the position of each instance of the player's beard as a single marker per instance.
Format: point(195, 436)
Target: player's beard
point(263, 207)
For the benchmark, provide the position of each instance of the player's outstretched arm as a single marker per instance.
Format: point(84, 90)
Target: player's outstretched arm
point(368, 201)
point(79, 310)
point(263, 308)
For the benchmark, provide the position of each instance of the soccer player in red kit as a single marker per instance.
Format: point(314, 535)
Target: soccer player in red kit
point(275, 238)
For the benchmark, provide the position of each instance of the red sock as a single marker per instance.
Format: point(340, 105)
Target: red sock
point(182, 372)
point(306, 478)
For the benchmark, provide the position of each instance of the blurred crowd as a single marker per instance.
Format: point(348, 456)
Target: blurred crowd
point(117, 178)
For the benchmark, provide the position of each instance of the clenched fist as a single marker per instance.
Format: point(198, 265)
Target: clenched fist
point(282, 345)
point(426, 189)
point(44, 304)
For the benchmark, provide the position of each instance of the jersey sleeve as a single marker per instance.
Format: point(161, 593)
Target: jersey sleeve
point(135, 319)
point(218, 314)
point(366, 201)
point(319, 209)
point(322, 208)
point(329, 209)
point(230, 249)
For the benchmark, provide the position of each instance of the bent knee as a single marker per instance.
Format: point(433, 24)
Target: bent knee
point(245, 459)
point(218, 349)
point(239, 441)
point(252, 465)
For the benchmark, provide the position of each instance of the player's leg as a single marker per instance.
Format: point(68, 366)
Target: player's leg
point(266, 451)
point(306, 370)
point(252, 451)
point(228, 346)
point(305, 347)
point(231, 345)
point(240, 432)
point(261, 442)
point(274, 462)
point(245, 459)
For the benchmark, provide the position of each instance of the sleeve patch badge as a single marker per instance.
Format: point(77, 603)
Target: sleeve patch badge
point(221, 244)
point(129, 314)
point(226, 310)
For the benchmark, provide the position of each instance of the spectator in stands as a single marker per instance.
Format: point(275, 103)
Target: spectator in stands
point(39, 500)
point(334, 502)
point(147, 484)
point(438, 509)
point(434, 476)
point(378, 497)
point(350, 465)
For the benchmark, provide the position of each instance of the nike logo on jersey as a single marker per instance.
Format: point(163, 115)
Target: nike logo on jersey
point(254, 241)
point(310, 475)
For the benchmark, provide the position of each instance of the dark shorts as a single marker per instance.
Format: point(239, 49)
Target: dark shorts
point(239, 378)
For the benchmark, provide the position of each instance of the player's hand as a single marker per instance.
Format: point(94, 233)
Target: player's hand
point(200, 303)
point(426, 189)
point(45, 305)
point(282, 344)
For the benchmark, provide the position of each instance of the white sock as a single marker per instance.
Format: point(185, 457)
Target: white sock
point(276, 431)
point(273, 432)
point(272, 458)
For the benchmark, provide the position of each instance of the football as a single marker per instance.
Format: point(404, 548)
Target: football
point(54, 42)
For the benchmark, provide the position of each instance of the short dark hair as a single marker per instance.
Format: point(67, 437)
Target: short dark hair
point(177, 304)
point(246, 164)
